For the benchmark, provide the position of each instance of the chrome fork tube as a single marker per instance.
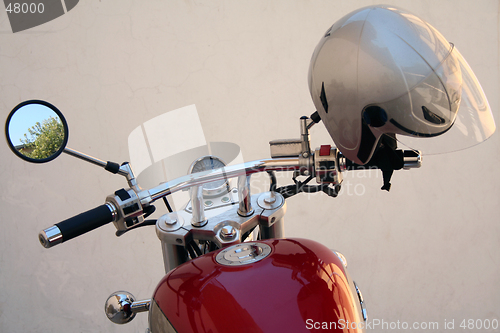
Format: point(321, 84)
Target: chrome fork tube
point(173, 256)
point(244, 196)
point(198, 219)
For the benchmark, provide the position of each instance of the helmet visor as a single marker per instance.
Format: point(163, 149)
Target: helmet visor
point(451, 96)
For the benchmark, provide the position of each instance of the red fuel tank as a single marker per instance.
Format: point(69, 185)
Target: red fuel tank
point(277, 285)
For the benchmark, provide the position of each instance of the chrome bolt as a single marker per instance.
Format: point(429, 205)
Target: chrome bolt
point(270, 200)
point(171, 222)
point(228, 232)
point(305, 155)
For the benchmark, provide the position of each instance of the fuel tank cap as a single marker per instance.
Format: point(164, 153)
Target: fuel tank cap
point(243, 254)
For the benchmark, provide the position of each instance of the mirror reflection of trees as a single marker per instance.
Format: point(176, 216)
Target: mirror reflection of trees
point(43, 139)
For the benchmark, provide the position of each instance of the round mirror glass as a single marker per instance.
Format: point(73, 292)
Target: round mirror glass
point(36, 131)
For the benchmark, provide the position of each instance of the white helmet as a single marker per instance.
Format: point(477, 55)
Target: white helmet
point(381, 70)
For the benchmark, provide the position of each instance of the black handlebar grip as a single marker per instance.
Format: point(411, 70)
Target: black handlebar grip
point(77, 225)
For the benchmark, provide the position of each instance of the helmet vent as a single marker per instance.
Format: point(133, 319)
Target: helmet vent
point(322, 97)
point(432, 117)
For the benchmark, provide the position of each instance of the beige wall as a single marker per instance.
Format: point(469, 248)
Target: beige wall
point(426, 251)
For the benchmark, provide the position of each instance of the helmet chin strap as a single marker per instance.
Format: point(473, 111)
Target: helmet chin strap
point(387, 159)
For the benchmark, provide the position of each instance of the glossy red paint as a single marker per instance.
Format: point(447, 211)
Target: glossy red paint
point(299, 287)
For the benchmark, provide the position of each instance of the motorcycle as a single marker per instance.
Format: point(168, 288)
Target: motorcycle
point(227, 262)
point(208, 250)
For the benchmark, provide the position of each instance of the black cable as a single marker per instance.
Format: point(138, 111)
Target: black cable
point(167, 204)
point(291, 190)
point(332, 191)
point(190, 250)
point(212, 247)
point(148, 210)
point(118, 233)
point(196, 248)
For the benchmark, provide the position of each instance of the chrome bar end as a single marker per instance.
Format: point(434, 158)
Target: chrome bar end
point(50, 237)
point(412, 159)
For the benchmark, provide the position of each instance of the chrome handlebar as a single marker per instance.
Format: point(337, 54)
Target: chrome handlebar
point(200, 178)
point(326, 164)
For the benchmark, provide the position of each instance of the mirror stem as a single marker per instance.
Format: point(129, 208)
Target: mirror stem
point(85, 157)
point(124, 170)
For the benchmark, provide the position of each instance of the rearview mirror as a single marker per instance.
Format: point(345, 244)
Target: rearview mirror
point(36, 131)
